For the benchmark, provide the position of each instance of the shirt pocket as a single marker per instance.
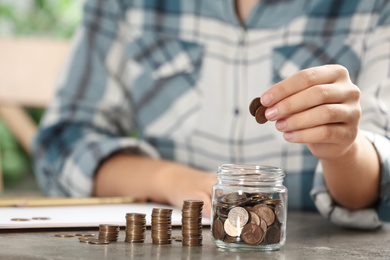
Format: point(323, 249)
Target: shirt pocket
point(165, 75)
point(289, 59)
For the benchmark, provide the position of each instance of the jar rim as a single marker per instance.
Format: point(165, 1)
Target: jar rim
point(250, 172)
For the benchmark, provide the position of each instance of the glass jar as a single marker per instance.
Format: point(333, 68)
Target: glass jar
point(249, 208)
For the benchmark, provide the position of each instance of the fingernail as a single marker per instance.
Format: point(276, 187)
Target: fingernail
point(288, 136)
point(271, 113)
point(266, 100)
point(280, 125)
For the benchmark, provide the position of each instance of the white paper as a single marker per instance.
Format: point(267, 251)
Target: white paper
point(81, 216)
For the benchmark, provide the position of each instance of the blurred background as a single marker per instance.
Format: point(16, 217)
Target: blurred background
point(34, 36)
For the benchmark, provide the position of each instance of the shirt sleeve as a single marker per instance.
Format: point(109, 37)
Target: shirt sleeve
point(91, 116)
point(374, 82)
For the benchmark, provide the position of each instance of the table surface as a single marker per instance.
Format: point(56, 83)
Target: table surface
point(309, 236)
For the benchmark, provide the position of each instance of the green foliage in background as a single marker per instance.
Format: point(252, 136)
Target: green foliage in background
point(49, 18)
point(31, 18)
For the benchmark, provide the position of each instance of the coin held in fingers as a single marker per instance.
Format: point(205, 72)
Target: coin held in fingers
point(258, 110)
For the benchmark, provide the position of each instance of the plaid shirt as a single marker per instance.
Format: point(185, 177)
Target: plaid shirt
point(173, 79)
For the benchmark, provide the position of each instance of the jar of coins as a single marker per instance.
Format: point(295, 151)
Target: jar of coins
point(249, 208)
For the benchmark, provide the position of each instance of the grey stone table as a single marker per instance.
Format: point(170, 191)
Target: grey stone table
point(309, 236)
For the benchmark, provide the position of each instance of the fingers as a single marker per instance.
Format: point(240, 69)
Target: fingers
point(302, 80)
point(320, 115)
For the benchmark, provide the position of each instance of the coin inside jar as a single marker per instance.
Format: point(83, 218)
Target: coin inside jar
point(252, 234)
point(238, 216)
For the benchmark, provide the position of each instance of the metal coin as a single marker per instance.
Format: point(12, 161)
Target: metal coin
point(254, 218)
point(260, 115)
point(254, 105)
point(252, 234)
point(272, 236)
point(20, 219)
point(40, 218)
point(280, 213)
point(238, 216)
point(265, 213)
point(217, 231)
point(64, 235)
point(99, 241)
point(231, 230)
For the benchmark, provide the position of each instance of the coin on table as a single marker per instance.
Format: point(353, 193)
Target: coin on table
point(40, 218)
point(64, 235)
point(20, 219)
point(98, 241)
point(252, 234)
point(218, 232)
point(238, 216)
point(231, 230)
point(254, 105)
point(83, 235)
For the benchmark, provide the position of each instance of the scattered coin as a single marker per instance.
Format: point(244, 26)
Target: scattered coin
point(98, 241)
point(40, 218)
point(64, 235)
point(82, 235)
point(20, 219)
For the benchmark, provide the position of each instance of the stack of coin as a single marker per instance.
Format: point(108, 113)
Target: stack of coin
point(251, 218)
point(108, 232)
point(192, 222)
point(135, 227)
point(161, 226)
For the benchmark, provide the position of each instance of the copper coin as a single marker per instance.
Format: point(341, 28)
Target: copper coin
point(260, 115)
point(20, 219)
point(40, 218)
point(99, 241)
point(254, 105)
point(254, 219)
point(238, 216)
point(64, 235)
point(272, 236)
point(265, 213)
point(263, 225)
point(217, 230)
point(252, 234)
point(84, 240)
point(231, 230)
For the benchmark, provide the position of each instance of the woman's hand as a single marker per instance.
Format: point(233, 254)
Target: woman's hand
point(188, 184)
point(318, 106)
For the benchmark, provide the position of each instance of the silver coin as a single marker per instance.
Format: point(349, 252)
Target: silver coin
point(238, 216)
